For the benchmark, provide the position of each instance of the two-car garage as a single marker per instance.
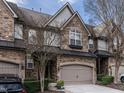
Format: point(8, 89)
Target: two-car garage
point(77, 74)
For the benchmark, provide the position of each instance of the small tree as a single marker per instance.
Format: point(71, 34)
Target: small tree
point(111, 14)
point(44, 50)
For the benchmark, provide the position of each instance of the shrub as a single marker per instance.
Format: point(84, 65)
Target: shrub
point(100, 76)
point(33, 86)
point(107, 80)
point(60, 84)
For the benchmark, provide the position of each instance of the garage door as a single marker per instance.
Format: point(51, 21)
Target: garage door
point(8, 68)
point(77, 74)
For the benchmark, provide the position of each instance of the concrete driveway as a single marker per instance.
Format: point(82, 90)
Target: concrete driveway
point(90, 89)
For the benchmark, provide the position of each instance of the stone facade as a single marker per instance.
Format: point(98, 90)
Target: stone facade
point(75, 22)
point(6, 23)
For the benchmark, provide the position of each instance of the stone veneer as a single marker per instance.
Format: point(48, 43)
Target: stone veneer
point(75, 22)
point(6, 23)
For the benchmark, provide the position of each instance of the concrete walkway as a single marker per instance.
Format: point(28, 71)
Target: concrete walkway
point(90, 89)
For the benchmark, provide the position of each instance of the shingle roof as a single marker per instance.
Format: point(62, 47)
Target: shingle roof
point(78, 53)
point(102, 53)
point(90, 28)
point(30, 17)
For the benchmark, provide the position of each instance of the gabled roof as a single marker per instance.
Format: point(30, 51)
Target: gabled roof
point(58, 12)
point(76, 13)
point(14, 14)
point(91, 29)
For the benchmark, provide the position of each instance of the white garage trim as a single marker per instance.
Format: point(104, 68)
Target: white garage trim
point(10, 60)
point(80, 65)
point(77, 63)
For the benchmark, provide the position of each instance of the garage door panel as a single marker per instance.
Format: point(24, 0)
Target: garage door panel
point(85, 74)
point(8, 68)
point(66, 74)
point(76, 74)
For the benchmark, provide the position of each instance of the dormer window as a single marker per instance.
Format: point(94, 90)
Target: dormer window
point(75, 38)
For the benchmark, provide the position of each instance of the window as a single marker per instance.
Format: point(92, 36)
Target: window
point(102, 45)
point(91, 43)
point(75, 38)
point(18, 31)
point(30, 63)
point(51, 38)
point(32, 37)
point(116, 41)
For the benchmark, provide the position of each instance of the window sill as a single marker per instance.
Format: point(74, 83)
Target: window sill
point(75, 46)
point(30, 68)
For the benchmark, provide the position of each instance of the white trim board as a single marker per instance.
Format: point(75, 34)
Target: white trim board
point(76, 13)
point(14, 14)
point(58, 12)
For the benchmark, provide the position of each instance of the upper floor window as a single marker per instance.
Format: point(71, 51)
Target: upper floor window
point(32, 37)
point(30, 63)
point(51, 38)
point(102, 45)
point(117, 41)
point(91, 43)
point(18, 31)
point(75, 38)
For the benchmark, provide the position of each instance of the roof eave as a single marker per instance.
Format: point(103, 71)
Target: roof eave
point(14, 14)
point(59, 11)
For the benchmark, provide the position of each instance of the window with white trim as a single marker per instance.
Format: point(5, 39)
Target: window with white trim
point(75, 38)
point(102, 45)
point(18, 31)
point(91, 43)
point(30, 63)
point(116, 41)
point(51, 38)
point(32, 37)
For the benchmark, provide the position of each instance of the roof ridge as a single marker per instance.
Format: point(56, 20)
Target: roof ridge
point(35, 11)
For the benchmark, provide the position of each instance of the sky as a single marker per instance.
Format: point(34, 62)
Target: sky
point(51, 6)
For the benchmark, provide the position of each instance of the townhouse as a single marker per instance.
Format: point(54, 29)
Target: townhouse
point(78, 43)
